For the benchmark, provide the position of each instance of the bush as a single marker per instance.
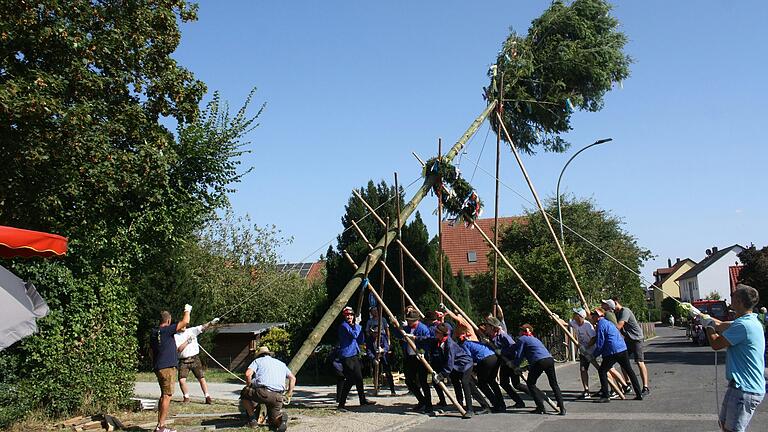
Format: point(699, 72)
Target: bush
point(83, 358)
point(278, 341)
point(655, 314)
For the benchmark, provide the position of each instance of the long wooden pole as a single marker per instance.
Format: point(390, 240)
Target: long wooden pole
point(308, 347)
point(377, 355)
point(400, 235)
point(389, 272)
point(543, 212)
point(393, 320)
point(440, 215)
point(499, 108)
point(419, 266)
point(544, 306)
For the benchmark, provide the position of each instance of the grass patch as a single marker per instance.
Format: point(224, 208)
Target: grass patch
point(211, 375)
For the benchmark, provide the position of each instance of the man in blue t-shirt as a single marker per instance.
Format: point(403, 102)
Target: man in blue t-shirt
point(530, 348)
point(164, 358)
point(745, 364)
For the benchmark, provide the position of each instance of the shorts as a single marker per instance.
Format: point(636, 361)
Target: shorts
point(191, 364)
point(738, 408)
point(635, 348)
point(261, 395)
point(165, 379)
point(584, 362)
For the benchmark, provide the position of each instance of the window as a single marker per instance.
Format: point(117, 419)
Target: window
point(472, 256)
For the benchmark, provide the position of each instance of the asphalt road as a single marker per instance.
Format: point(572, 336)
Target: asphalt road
point(682, 381)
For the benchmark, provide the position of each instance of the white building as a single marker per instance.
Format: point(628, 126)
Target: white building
point(711, 275)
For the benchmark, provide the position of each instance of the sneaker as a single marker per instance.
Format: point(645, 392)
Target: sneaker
point(597, 394)
point(520, 404)
point(614, 395)
point(393, 393)
point(627, 389)
point(602, 400)
point(585, 395)
point(561, 412)
point(208, 400)
point(483, 411)
point(639, 397)
point(538, 411)
point(341, 409)
point(429, 409)
point(646, 391)
point(441, 403)
point(186, 400)
point(367, 402)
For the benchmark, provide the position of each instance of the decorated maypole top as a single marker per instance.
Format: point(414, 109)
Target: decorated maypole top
point(572, 55)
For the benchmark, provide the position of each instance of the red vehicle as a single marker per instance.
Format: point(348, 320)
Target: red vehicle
point(715, 308)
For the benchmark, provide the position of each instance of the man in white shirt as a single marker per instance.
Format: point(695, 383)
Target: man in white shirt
point(585, 331)
point(189, 360)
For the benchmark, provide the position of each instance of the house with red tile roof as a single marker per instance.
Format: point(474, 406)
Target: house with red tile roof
point(465, 248)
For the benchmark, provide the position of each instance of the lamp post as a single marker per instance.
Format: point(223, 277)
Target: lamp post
point(559, 210)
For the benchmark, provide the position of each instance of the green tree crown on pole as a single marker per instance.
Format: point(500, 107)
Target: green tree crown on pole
point(571, 56)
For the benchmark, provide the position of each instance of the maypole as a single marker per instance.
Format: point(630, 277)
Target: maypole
point(334, 309)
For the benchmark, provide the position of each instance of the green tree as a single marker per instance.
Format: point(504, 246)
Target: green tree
point(83, 89)
point(569, 59)
point(755, 271)
point(414, 236)
point(529, 247)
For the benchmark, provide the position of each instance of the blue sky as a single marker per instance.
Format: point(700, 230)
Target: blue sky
point(352, 88)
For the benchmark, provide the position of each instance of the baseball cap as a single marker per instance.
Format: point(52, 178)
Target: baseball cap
point(580, 311)
point(610, 303)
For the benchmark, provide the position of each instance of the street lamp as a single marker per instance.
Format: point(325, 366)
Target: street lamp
point(559, 210)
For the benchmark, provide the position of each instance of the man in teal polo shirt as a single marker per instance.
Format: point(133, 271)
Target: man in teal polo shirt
point(745, 364)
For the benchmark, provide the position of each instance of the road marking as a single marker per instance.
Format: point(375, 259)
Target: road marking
point(640, 416)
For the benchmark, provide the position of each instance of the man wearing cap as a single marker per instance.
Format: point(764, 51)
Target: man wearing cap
point(264, 384)
point(350, 338)
point(504, 347)
point(608, 306)
point(414, 369)
point(744, 343)
point(189, 360)
point(627, 324)
point(540, 361)
point(486, 369)
point(451, 361)
point(610, 345)
point(585, 331)
point(165, 360)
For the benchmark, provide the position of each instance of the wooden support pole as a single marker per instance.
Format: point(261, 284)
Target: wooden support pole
point(389, 272)
point(543, 212)
point(393, 320)
point(419, 266)
point(440, 216)
point(399, 236)
point(544, 306)
point(499, 108)
point(377, 355)
point(335, 307)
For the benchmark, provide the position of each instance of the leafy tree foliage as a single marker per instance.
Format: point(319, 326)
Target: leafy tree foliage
point(569, 59)
point(529, 247)
point(83, 89)
point(755, 271)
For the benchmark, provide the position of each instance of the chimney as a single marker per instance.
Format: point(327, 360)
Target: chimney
point(714, 249)
point(678, 260)
point(669, 262)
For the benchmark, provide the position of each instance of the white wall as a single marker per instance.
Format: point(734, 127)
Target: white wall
point(717, 278)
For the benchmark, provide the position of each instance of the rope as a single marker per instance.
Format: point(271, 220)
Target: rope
point(221, 365)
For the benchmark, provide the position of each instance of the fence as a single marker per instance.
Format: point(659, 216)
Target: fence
point(562, 349)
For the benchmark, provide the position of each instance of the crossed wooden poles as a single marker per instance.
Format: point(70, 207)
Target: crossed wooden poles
point(456, 307)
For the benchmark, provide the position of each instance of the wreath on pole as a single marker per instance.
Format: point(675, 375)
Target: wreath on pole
point(459, 198)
